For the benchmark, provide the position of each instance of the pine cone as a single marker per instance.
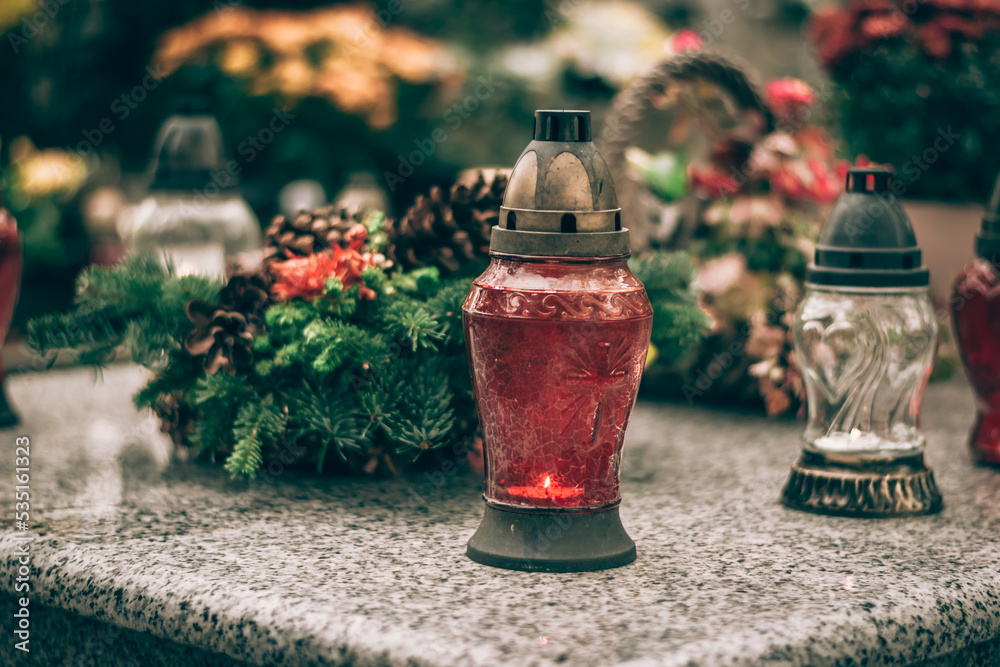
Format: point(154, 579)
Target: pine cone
point(308, 232)
point(449, 229)
point(247, 295)
point(176, 418)
point(222, 336)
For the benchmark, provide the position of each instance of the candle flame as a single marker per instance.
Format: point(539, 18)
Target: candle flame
point(548, 482)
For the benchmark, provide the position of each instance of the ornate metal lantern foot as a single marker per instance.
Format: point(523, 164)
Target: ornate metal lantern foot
point(865, 487)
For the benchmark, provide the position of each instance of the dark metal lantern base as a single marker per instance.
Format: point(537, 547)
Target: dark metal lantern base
point(872, 488)
point(552, 541)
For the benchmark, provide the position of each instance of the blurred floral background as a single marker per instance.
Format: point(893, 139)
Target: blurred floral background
point(385, 104)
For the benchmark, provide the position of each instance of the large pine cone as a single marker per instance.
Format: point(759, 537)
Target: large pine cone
point(308, 232)
point(450, 229)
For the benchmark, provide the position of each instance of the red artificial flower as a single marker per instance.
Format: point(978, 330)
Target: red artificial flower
point(305, 277)
point(711, 181)
point(811, 180)
point(883, 26)
point(837, 32)
point(786, 96)
point(686, 40)
point(936, 39)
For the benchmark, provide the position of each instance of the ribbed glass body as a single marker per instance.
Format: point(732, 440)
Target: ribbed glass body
point(556, 349)
point(197, 232)
point(865, 356)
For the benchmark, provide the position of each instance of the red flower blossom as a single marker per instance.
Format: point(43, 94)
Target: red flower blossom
point(686, 40)
point(786, 96)
point(883, 26)
point(936, 39)
point(711, 181)
point(305, 277)
point(811, 180)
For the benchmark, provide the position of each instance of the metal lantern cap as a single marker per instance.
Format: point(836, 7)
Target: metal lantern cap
point(189, 151)
point(867, 240)
point(988, 237)
point(560, 199)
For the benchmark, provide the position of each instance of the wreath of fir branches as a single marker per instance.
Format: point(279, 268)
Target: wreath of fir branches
point(368, 374)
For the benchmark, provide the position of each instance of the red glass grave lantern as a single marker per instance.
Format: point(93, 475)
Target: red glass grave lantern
point(975, 311)
point(557, 330)
point(10, 283)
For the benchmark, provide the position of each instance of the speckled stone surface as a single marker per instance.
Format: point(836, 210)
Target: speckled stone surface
point(301, 569)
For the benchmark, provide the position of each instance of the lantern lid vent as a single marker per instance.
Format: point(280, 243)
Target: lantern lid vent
point(868, 241)
point(189, 151)
point(560, 199)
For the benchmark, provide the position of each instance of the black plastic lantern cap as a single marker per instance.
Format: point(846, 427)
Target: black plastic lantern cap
point(188, 153)
point(988, 238)
point(868, 240)
point(562, 125)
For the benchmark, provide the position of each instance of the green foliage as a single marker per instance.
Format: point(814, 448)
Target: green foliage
point(340, 376)
point(137, 304)
point(679, 326)
point(257, 422)
point(895, 103)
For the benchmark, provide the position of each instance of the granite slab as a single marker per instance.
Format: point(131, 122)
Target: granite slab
point(306, 569)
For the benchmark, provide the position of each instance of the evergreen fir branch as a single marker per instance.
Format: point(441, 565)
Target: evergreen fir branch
point(257, 422)
point(421, 414)
point(331, 417)
point(337, 301)
point(418, 283)
point(667, 276)
point(136, 302)
point(375, 403)
point(181, 373)
point(149, 345)
point(219, 398)
point(133, 284)
point(329, 344)
point(76, 330)
point(409, 322)
point(446, 308)
point(375, 279)
point(678, 329)
point(285, 321)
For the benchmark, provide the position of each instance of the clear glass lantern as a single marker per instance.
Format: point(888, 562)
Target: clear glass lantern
point(194, 215)
point(865, 339)
point(557, 330)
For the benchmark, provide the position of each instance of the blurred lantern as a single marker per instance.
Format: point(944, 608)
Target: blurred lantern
point(194, 215)
point(557, 330)
point(362, 193)
point(301, 195)
point(10, 282)
point(975, 310)
point(865, 337)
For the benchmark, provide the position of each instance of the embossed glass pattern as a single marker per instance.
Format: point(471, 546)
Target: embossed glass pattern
point(556, 350)
point(975, 310)
point(866, 355)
